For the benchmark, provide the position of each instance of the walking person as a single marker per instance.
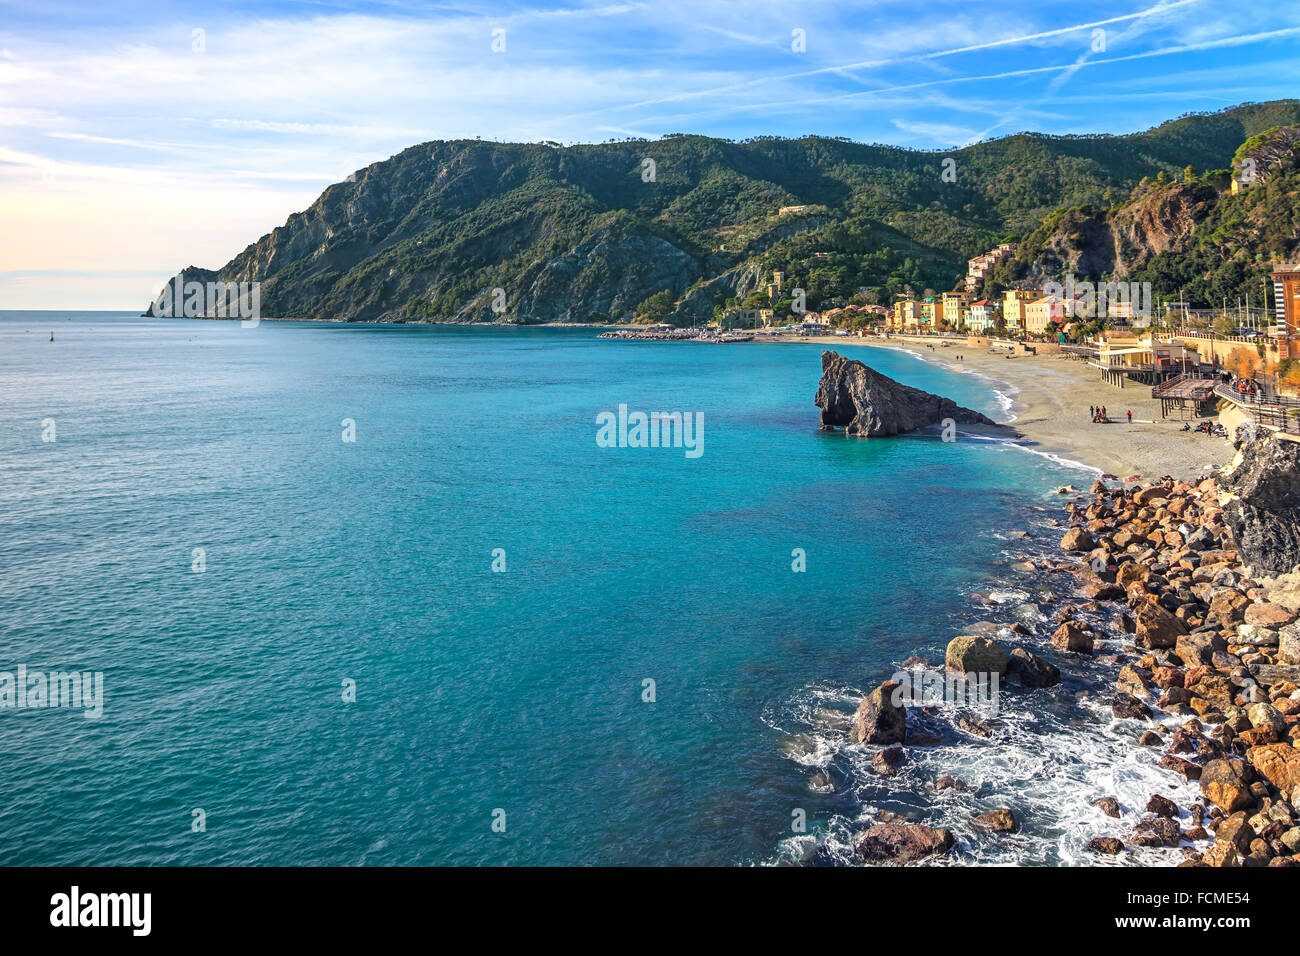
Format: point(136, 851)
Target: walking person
point(1092, 411)
point(1130, 417)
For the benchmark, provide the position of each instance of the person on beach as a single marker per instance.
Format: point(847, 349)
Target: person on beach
point(1130, 417)
point(1092, 412)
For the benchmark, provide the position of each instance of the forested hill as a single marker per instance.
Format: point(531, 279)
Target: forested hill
point(591, 232)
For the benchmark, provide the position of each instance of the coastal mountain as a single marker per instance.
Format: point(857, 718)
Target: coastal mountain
point(1207, 236)
point(467, 230)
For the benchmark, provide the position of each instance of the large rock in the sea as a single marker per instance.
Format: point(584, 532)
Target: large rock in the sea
point(975, 655)
point(902, 842)
point(878, 719)
point(1260, 494)
point(857, 398)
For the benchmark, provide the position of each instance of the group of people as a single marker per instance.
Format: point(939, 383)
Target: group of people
point(1098, 413)
point(1215, 429)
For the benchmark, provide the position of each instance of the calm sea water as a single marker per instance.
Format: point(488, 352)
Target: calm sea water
point(371, 561)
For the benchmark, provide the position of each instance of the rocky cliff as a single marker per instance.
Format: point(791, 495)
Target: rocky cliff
point(1260, 493)
point(857, 398)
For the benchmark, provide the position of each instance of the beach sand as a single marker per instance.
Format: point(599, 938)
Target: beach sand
point(1051, 396)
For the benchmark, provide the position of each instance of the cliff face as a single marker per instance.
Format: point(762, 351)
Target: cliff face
point(588, 233)
point(857, 398)
point(1260, 493)
point(1195, 238)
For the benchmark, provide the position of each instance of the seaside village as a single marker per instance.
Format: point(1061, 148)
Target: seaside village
point(1190, 359)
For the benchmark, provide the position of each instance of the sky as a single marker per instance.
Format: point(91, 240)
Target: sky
point(137, 138)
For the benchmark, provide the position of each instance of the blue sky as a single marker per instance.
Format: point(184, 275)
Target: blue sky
point(137, 138)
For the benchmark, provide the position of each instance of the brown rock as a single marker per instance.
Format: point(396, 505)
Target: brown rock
point(1077, 539)
point(1279, 764)
point(1000, 821)
point(1071, 636)
point(1108, 845)
point(1156, 627)
point(878, 719)
point(1226, 784)
point(902, 842)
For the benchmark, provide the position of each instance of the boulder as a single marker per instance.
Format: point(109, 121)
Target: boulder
point(1198, 648)
point(878, 719)
point(1128, 707)
point(1266, 614)
point(1226, 784)
point(1072, 637)
point(1162, 806)
point(1109, 845)
point(975, 655)
point(1108, 806)
point(1000, 821)
point(857, 398)
point(1077, 539)
point(1157, 831)
point(1029, 670)
point(889, 762)
point(1279, 764)
point(902, 842)
point(1288, 644)
point(1155, 627)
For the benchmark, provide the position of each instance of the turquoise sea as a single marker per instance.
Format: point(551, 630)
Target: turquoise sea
point(326, 561)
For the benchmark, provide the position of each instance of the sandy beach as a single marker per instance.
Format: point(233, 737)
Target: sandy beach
point(1050, 398)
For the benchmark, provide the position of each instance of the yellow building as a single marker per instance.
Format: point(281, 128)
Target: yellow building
point(907, 314)
point(1014, 302)
point(954, 306)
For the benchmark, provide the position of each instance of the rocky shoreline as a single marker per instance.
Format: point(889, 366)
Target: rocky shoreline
point(1171, 591)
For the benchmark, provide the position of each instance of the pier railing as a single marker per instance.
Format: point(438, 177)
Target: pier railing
point(1278, 412)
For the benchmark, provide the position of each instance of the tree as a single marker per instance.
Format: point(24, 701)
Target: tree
point(1189, 175)
point(655, 307)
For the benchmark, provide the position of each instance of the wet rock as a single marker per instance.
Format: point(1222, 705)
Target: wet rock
point(947, 782)
point(1029, 670)
point(1108, 806)
point(1149, 738)
point(878, 719)
point(975, 655)
point(1157, 831)
point(1128, 707)
point(1108, 845)
point(902, 842)
point(1072, 637)
point(889, 762)
point(1000, 821)
point(1162, 806)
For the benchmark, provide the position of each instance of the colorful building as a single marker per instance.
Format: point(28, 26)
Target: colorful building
point(981, 316)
